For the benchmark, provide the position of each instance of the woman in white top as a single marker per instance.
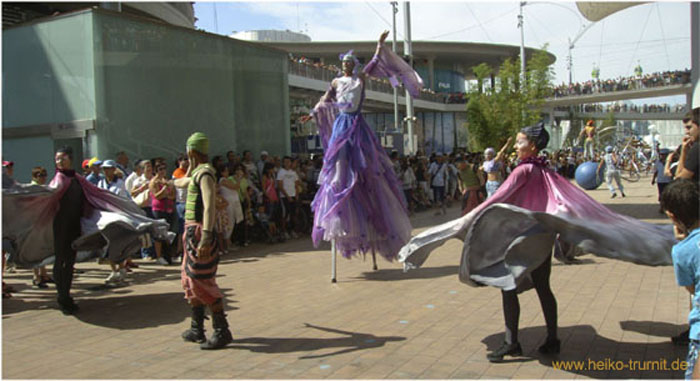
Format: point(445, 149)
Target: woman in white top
point(229, 191)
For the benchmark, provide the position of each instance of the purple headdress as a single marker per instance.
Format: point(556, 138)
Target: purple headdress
point(349, 56)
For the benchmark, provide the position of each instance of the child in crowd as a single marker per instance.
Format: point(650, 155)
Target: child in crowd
point(680, 202)
point(659, 176)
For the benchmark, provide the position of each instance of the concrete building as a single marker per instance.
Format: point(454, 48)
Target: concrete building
point(103, 81)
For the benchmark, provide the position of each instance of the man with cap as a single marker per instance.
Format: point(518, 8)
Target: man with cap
point(95, 167)
point(611, 171)
point(110, 181)
point(86, 167)
point(200, 257)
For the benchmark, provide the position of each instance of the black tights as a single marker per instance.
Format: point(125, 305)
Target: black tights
point(66, 228)
point(511, 306)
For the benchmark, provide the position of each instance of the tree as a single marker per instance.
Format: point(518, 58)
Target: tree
point(495, 113)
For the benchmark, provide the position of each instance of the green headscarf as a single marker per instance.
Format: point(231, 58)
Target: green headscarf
point(198, 142)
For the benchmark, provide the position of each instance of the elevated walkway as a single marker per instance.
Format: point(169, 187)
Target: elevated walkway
point(661, 91)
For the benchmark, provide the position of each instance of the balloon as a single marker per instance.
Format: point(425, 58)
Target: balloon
point(586, 175)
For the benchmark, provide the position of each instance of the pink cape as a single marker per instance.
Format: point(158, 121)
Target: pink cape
point(512, 232)
point(109, 222)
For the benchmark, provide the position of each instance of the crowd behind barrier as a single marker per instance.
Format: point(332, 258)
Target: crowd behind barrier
point(647, 81)
point(627, 108)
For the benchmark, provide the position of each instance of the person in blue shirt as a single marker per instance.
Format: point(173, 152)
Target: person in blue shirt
point(680, 201)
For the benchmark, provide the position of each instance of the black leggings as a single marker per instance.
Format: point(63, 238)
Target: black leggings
point(66, 229)
point(511, 305)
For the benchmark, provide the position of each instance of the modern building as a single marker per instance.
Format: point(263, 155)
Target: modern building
point(104, 81)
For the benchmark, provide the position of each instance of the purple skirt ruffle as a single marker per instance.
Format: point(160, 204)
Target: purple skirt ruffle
point(359, 203)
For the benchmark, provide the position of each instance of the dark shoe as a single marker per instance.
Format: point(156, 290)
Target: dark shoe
point(68, 307)
point(623, 194)
point(39, 284)
point(47, 279)
point(550, 347)
point(683, 338)
point(505, 350)
point(196, 332)
point(221, 336)
point(614, 195)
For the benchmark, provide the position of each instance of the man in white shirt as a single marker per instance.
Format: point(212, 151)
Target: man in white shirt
point(438, 174)
point(287, 180)
point(111, 182)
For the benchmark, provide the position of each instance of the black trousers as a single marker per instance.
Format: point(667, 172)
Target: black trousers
point(511, 305)
point(66, 229)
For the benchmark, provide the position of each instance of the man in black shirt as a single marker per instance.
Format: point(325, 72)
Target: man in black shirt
point(690, 151)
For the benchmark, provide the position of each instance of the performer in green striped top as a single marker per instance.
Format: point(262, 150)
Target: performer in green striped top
point(200, 255)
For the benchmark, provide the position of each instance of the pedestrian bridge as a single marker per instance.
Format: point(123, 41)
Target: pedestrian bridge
point(622, 95)
point(620, 115)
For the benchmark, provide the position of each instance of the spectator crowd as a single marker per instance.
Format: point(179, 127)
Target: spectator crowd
point(647, 81)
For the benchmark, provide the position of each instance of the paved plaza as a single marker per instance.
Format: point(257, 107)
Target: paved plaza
point(290, 321)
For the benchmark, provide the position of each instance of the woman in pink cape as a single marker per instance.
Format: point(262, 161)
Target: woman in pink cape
point(70, 215)
point(508, 239)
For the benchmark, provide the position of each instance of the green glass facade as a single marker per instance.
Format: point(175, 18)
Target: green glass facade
point(137, 86)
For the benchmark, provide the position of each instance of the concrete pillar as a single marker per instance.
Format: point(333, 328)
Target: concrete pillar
point(431, 73)
point(694, 48)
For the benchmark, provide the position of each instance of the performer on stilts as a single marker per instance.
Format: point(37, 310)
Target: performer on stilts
point(508, 239)
point(201, 256)
point(360, 203)
point(70, 215)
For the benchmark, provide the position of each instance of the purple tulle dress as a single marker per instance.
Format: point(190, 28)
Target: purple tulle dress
point(360, 203)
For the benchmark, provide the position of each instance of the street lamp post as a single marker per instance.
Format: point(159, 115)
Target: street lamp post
point(408, 51)
point(394, 11)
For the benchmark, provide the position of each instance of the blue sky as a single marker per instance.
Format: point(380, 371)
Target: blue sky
point(655, 35)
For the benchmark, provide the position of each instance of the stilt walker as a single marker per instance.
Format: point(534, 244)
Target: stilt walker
point(360, 204)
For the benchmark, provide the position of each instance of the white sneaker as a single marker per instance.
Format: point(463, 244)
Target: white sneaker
point(113, 277)
point(295, 235)
point(286, 236)
point(122, 275)
point(161, 261)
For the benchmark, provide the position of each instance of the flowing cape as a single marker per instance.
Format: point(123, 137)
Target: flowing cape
point(512, 232)
point(109, 222)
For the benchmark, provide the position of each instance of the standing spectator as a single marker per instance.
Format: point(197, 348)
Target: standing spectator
point(250, 167)
point(690, 150)
point(271, 198)
point(261, 163)
point(41, 277)
point(182, 164)
point(241, 182)
point(471, 180)
point(86, 167)
point(680, 201)
point(408, 178)
point(287, 181)
point(438, 175)
point(162, 194)
point(110, 181)
point(123, 163)
point(659, 176)
point(231, 161)
point(139, 190)
point(94, 176)
point(131, 179)
point(234, 212)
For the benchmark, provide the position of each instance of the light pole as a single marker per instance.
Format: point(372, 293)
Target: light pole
point(394, 11)
point(408, 50)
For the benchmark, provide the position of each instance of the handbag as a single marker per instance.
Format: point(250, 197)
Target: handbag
point(142, 199)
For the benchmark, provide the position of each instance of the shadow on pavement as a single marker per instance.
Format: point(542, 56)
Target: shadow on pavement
point(138, 311)
point(639, 211)
point(399, 274)
point(352, 341)
point(653, 328)
point(598, 356)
